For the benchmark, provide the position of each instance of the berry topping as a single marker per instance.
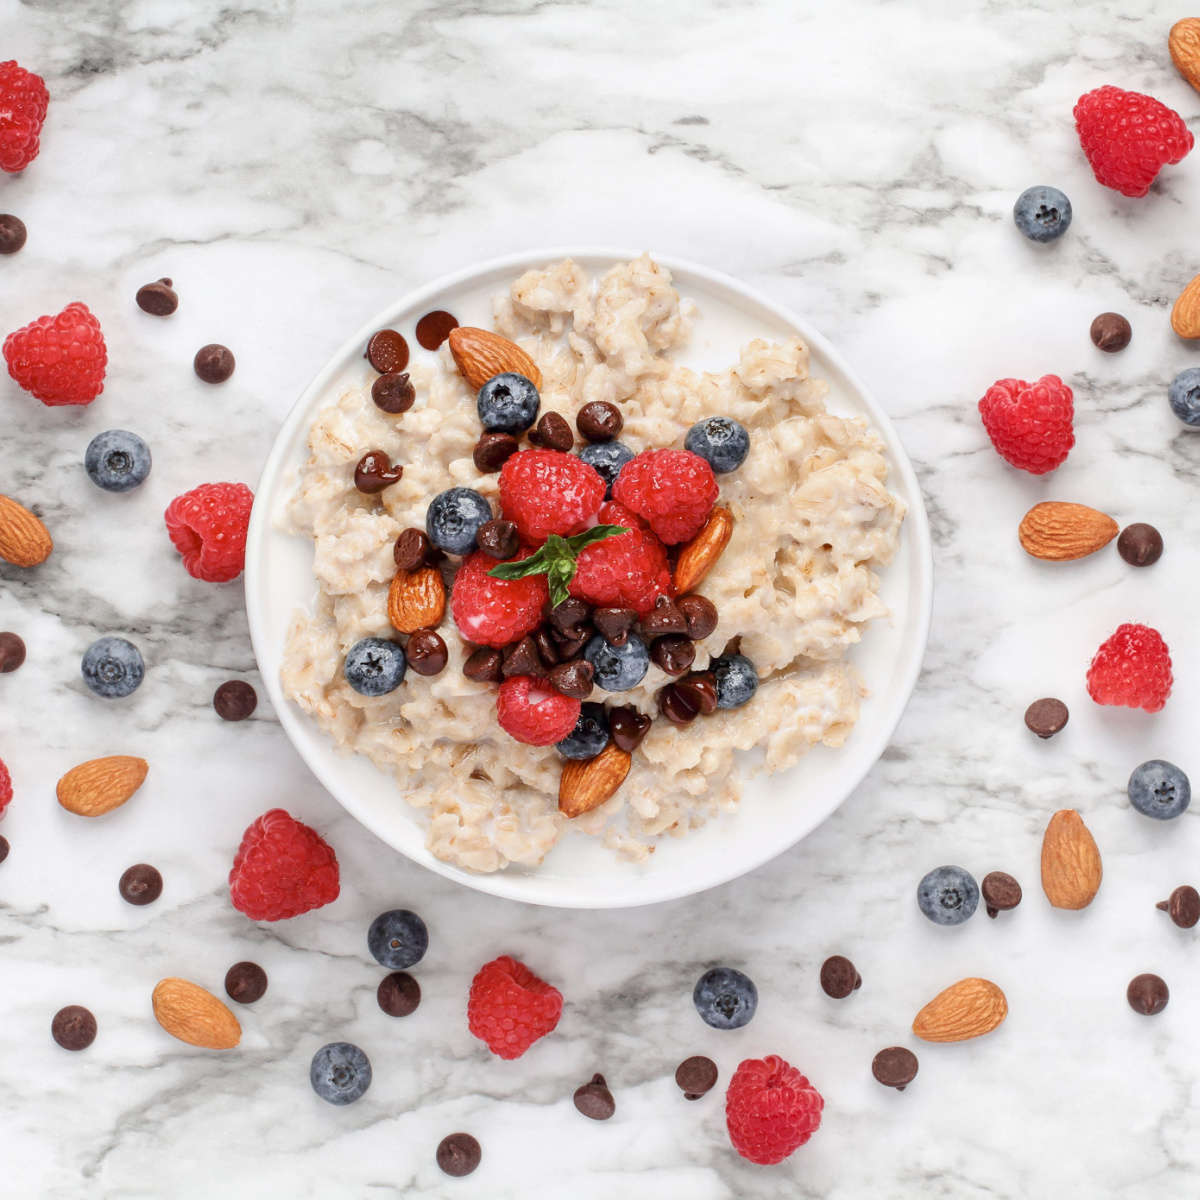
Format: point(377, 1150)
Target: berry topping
point(1030, 424)
point(607, 459)
point(771, 1110)
point(61, 359)
point(398, 939)
point(510, 1007)
point(113, 667)
point(1160, 790)
point(736, 679)
point(1132, 668)
point(508, 403)
point(494, 612)
point(23, 104)
point(1042, 213)
point(454, 518)
point(948, 895)
point(6, 788)
point(548, 491)
point(208, 527)
point(674, 490)
point(628, 571)
point(590, 734)
point(117, 461)
point(375, 666)
point(618, 668)
point(725, 998)
point(721, 441)
point(533, 712)
point(1184, 396)
point(282, 869)
point(340, 1073)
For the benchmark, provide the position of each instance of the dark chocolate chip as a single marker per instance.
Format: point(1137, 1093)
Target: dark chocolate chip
point(700, 615)
point(677, 706)
point(414, 550)
point(375, 472)
point(493, 450)
point(235, 700)
point(394, 392)
point(141, 884)
point(398, 994)
point(426, 652)
point(674, 653)
point(839, 977)
point(12, 233)
point(1140, 545)
point(627, 727)
point(387, 352)
point(158, 299)
point(521, 658)
point(895, 1067)
point(1147, 994)
point(245, 982)
point(1000, 892)
point(485, 665)
point(594, 1099)
point(1111, 332)
point(546, 647)
point(695, 1076)
point(498, 538)
point(571, 646)
point(458, 1154)
point(434, 328)
point(599, 421)
point(614, 624)
point(214, 363)
point(573, 679)
point(1046, 717)
point(666, 618)
point(73, 1027)
point(4, 848)
point(569, 616)
point(700, 690)
point(12, 652)
point(1183, 906)
point(552, 433)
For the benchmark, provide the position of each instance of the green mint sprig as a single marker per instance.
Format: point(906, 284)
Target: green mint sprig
point(556, 559)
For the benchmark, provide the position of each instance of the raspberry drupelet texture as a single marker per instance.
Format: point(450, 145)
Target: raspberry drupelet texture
point(208, 527)
point(6, 788)
point(61, 359)
point(674, 490)
point(1132, 669)
point(771, 1110)
point(1128, 138)
point(533, 712)
point(23, 104)
point(1030, 424)
point(548, 491)
point(510, 1007)
point(495, 612)
point(282, 869)
point(630, 571)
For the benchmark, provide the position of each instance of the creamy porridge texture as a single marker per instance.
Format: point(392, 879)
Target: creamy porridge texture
point(796, 584)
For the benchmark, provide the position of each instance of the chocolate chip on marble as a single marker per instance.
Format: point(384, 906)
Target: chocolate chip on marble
point(1046, 717)
point(4, 848)
point(498, 538)
point(73, 1027)
point(521, 658)
point(573, 679)
point(895, 1067)
point(214, 363)
point(1001, 892)
point(1147, 994)
point(235, 700)
point(413, 550)
point(394, 393)
point(700, 614)
point(1182, 906)
point(1110, 332)
point(696, 1076)
point(387, 352)
point(141, 884)
point(839, 977)
point(398, 994)
point(594, 1099)
point(493, 450)
point(614, 624)
point(426, 652)
point(12, 233)
point(485, 665)
point(552, 433)
point(12, 652)
point(599, 421)
point(434, 328)
point(666, 618)
point(375, 472)
point(1140, 545)
point(627, 727)
point(158, 299)
point(674, 653)
point(245, 982)
point(458, 1154)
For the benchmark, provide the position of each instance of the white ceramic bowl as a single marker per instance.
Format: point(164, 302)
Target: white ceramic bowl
point(776, 811)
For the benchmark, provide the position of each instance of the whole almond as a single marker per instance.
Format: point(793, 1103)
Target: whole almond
point(1184, 44)
point(98, 786)
point(587, 784)
point(1071, 870)
point(1057, 531)
point(697, 557)
point(24, 540)
point(1185, 316)
point(417, 599)
point(481, 355)
point(966, 1009)
point(186, 1011)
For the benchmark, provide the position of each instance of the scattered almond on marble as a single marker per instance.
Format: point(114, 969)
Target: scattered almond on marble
point(966, 1009)
point(417, 599)
point(696, 559)
point(98, 786)
point(1185, 316)
point(586, 784)
point(481, 354)
point(1057, 531)
point(1071, 869)
point(1184, 44)
point(187, 1012)
point(24, 540)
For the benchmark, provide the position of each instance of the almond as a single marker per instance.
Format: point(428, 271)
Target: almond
point(697, 557)
point(481, 355)
point(417, 599)
point(96, 787)
point(1057, 531)
point(1185, 316)
point(588, 783)
point(966, 1009)
point(1071, 870)
point(24, 540)
point(186, 1011)
point(1184, 44)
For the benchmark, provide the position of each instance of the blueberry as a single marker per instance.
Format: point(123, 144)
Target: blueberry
point(720, 441)
point(607, 459)
point(1184, 395)
point(398, 939)
point(340, 1073)
point(375, 666)
point(117, 461)
point(737, 680)
point(508, 403)
point(618, 668)
point(113, 667)
point(454, 518)
point(1159, 789)
point(590, 734)
point(948, 895)
point(725, 998)
point(1042, 213)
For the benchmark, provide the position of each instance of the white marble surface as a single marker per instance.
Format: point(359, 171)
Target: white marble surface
point(294, 167)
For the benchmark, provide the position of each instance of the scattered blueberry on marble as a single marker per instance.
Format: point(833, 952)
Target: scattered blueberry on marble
point(375, 666)
point(398, 939)
point(617, 668)
point(736, 679)
point(1042, 213)
point(948, 895)
point(113, 667)
point(117, 460)
point(1159, 789)
point(508, 403)
point(725, 998)
point(1184, 395)
point(590, 734)
point(454, 518)
point(721, 441)
point(340, 1073)
point(607, 459)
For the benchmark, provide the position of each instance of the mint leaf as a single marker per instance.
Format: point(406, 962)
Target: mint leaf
point(556, 559)
point(597, 533)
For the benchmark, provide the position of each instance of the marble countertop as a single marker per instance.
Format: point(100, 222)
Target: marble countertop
point(294, 168)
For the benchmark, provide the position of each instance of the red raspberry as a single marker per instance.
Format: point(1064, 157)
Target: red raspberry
point(547, 491)
point(282, 869)
point(1133, 668)
point(1030, 424)
point(208, 526)
point(629, 571)
point(674, 490)
point(510, 1007)
point(6, 792)
point(23, 104)
point(771, 1110)
point(60, 360)
point(495, 612)
point(533, 712)
point(1128, 138)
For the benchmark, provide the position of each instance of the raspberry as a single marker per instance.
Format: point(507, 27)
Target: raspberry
point(61, 359)
point(282, 869)
point(6, 792)
point(629, 571)
point(208, 527)
point(23, 104)
point(495, 612)
point(1030, 424)
point(1128, 138)
point(1132, 668)
point(534, 713)
point(547, 491)
point(510, 1007)
point(771, 1110)
point(673, 489)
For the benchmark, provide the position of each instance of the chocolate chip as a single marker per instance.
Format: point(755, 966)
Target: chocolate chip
point(614, 624)
point(674, 653)
point(1147, 994)
point(895, 1067)
point(521, 658)
point(493, 450)
point(235, 700)
point(594, 1099)
point(1111, 332)
point(1183, 906)
point(1046, 717)
point(627, 727)
point(73, 1027)
point(571, 646)
point(12, 652)
point(375, 472)
point(700, 690)
point(414, 550)
point(458, 1154)
point(158, 299)
point(573, 679)
point(700, 615)
point(1001, 892)
point(12, 233)
point(387, 352)
point(839, 977)
point(245, 982)
point(569, 616)
point(1140, 545)
point(213, 363)
point(677, 706)
point(695, 1076)
point(141, 884)
point(394, 392)
point(599, 421)
point(498, 538)
point(426, 652)
point(552, 433)
point(546, 648)
point(398, 994)
point(4, 848)
point(434, 328)
point(485, 665)
point(666, 618)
